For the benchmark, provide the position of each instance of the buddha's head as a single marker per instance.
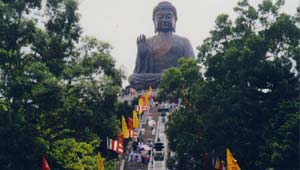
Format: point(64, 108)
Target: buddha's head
point(164, 17)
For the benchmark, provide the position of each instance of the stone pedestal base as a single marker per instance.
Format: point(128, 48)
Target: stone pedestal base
point(142, 81)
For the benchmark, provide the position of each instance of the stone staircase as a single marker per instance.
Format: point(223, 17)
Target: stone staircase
point(147, 135)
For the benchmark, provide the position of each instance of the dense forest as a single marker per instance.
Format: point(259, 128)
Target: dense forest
point(241, 93)
point(58, 89)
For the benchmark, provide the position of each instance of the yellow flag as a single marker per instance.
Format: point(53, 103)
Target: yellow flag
point(150, 90)
point(141, 104)
point(135, 120)
point(146, 99)
point(125, 130)
point(100, 162)
point(231, 162)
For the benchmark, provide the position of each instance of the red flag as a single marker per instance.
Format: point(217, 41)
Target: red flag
point(142, 97)
point(219, 165)
point(130, 126)
point(120, 148)
point(45, 165)
point(130, 123)
point(141, 108)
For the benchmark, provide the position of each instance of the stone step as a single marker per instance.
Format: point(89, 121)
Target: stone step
point(147, 136)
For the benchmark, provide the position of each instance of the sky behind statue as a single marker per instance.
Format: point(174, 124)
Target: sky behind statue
point(119, 22)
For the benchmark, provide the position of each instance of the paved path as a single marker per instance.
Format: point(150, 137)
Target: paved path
point(147, 135)
point(160, 165)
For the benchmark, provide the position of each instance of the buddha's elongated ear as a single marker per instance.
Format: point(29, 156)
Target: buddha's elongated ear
point(174, 27)
point(155, 26)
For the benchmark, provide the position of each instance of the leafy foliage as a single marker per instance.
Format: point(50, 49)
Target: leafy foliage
point(248, 96)
point(58, 91)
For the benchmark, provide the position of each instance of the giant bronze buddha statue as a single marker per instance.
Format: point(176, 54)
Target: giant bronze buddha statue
point(161, 51)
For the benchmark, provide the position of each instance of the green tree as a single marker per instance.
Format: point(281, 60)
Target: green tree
point(188, 144)
point(171, 83)
point(57, 89)
point(248, 98)
point(180, 83)
point(251, 71)
point(174, 80)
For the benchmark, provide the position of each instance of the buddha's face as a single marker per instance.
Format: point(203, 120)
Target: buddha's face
point(165, 21)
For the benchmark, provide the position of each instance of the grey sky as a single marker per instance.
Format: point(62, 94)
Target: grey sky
point(119, 22)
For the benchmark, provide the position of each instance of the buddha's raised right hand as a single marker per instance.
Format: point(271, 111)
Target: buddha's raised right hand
point(142, 45)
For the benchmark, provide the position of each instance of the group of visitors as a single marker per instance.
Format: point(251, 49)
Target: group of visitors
point(140, 152)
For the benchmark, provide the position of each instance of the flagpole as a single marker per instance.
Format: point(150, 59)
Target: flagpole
point(107, 145)
point(213, 157)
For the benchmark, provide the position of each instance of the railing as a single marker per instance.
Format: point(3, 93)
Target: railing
point(139, 92)
point(129, 97)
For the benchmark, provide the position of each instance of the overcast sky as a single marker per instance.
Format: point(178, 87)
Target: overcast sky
point(119, 22)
